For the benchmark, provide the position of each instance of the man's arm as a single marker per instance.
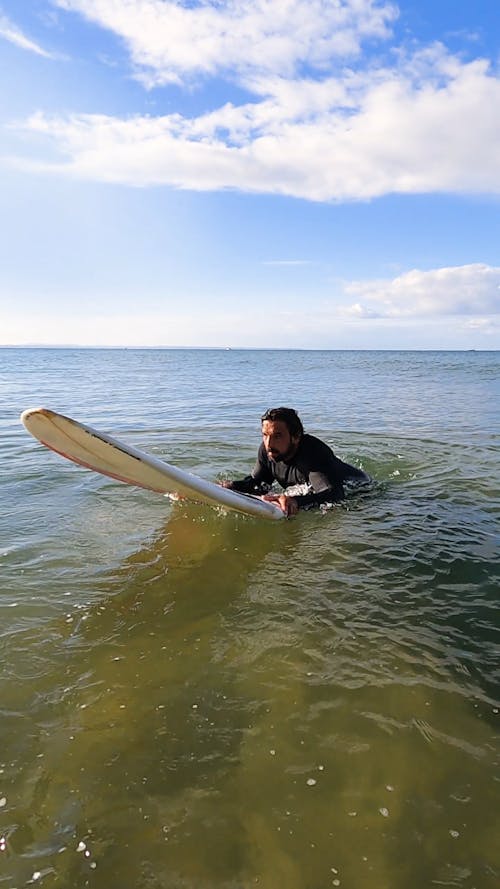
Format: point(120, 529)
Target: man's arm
point(247, 485)
point(324, 472)
point(256, 483)
point(328, 494)
point(325, 489)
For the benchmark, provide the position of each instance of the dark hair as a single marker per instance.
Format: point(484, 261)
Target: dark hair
point(288, 416)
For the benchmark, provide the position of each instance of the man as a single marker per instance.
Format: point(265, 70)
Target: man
point(291, 457)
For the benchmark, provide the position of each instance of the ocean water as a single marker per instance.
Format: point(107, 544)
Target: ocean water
point(199, 700)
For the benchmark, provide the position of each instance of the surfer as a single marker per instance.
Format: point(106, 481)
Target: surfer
point(291, 457)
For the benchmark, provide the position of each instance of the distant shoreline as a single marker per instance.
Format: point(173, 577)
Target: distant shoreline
point(36, 346)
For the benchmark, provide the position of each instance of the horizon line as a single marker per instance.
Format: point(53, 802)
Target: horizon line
point(122, 348)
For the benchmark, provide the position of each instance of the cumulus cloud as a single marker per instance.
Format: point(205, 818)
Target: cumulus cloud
point(456, 307)
point(170, 41)
point(13, 34)
point(461, 290)
point(346, 139)
point(313, 130)
point(283, 329)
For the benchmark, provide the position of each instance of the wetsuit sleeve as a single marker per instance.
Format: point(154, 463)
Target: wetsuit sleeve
point(260, 479)
point(325, 475)
point(323, 491)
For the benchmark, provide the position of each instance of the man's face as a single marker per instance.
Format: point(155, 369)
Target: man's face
point(278, 442)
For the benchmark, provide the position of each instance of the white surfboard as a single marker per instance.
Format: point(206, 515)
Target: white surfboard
point(100, 452)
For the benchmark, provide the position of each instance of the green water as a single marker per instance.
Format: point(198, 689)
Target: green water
point(194, 700)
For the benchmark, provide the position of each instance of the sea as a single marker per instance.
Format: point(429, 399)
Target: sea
point(196, 699)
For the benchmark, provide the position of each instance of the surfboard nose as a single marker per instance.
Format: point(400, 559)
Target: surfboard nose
point(25, 415)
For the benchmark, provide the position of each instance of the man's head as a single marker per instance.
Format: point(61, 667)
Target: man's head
point(281, 432)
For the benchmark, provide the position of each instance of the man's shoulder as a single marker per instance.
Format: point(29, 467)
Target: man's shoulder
point(312, 445)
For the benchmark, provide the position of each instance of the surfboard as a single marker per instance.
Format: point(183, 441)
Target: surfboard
point(100, 452)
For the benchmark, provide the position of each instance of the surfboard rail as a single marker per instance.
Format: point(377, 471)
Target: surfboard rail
point(102, 453)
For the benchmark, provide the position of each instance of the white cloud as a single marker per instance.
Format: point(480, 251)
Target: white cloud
point(461, 290)
point(426, 127)
point(457, 307)
point(170, 41)
point(484, 326)
point(14, 35)
point(310, 329)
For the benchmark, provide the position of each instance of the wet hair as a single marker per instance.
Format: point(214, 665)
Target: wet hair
point(288, 416)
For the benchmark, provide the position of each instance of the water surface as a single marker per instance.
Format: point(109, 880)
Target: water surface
point(199, 700)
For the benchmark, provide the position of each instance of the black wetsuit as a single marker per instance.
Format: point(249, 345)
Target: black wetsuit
point(313, 463)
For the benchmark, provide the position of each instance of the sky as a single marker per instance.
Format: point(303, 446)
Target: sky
point(319, 174)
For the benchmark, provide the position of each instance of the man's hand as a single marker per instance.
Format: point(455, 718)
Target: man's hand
point(287, 504)
point(225, 484)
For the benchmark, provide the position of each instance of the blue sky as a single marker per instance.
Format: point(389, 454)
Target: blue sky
point(253, 173)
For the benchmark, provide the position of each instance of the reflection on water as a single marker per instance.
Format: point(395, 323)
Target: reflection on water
point(217, 720)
